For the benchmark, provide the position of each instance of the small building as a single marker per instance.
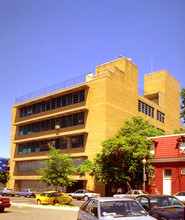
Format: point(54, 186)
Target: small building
point(169, 162)
point(4, 164)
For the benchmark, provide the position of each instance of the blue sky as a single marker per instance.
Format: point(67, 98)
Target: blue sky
point(44, 42)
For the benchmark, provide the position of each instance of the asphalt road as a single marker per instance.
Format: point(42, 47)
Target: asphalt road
point(26, 209)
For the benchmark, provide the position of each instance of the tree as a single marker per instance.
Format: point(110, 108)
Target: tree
point(182, 113)
point(4, 177)
point(120, 159)
point(57, 169)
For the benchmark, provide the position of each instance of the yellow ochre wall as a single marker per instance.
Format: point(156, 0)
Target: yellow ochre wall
point(111, 96)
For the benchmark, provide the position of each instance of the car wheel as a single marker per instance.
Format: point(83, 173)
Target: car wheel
point(38, 202)
point(86, 198)
point(55, 202)
point(2, 209)
point(69, 201)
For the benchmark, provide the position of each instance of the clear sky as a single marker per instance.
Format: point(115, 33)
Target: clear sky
point(44, 42)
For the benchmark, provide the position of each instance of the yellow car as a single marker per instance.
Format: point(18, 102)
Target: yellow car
point(48, 197)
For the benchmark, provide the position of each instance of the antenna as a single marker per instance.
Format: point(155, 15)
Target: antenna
point(151, 64)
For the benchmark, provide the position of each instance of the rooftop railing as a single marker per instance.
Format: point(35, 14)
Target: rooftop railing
point(51, 89)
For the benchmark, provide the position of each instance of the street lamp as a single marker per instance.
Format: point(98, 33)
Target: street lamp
point(144, 174)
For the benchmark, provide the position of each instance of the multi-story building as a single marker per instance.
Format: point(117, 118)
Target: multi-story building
point(79, 114)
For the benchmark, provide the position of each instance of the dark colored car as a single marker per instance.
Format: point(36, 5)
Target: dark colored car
point(4, 203)
point(162, 206)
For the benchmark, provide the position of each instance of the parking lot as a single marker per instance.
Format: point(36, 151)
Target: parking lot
point(25, 208)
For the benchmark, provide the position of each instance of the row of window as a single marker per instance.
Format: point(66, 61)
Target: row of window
point(33, 166)
point(62, 122)
point(160, 116)
point(54, 103)
point(59, 143)
point(146, 109)
point(149, 110)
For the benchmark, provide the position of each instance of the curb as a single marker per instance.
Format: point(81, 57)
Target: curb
point(46, 206)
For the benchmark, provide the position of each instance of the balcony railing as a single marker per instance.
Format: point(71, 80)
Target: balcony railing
point(51, 89)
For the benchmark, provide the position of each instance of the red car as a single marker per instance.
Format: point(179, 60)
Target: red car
point(4, 203)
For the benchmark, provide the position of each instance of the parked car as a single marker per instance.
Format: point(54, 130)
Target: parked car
point(26, 193)
point(4, 203)
point(181, 196)
point(112, 208)
point(49, 197)
point(7, 192)
point(162, 206)
point(84, 194)
point(131, 194)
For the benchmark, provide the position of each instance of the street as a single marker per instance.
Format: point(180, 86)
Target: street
point(25, 208)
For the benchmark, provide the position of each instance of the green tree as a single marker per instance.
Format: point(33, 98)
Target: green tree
point(179, 131)
point(57, 169)
point(120, 159)
point(4, 177)
point(182, 113)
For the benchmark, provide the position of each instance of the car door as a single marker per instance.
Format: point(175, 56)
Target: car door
point(79, 194)
point(89, 211)
point(144, 202)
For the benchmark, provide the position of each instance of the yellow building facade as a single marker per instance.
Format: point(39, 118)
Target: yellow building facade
point(78, 117)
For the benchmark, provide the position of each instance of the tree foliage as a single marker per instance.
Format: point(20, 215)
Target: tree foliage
point(57, 169)
point(182, 113)
point(4, 177)
point(120, 158)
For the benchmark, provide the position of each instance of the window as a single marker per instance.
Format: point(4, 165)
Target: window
point(75, 119)
point(160, 116)
point(75, 98)
point(183, 171)
point(43, 106)
point(182, 147)
point(77, 141)
point(58, 102)
point(53, 103)
point(167, 173)
point(152, 147)
point(21, 129)
point(59, 143)
point(69, 120)
point(145, 109)
point(69, 99)
point(21, 112)
point(64, 100)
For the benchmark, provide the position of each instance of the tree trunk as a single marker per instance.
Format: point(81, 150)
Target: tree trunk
point(55, 201)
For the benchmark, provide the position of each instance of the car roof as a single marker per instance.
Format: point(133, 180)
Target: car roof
point(107, 199)
point(153, 195)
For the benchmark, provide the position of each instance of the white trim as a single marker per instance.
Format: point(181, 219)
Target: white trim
point(172, 135)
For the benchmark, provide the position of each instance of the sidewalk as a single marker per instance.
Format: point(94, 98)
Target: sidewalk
point(46, 206)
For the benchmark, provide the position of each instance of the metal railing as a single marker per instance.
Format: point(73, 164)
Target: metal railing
point(54, 88)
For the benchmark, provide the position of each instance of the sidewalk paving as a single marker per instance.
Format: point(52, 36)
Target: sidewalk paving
point(67, 208)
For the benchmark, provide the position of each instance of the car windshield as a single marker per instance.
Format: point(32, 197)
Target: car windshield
point(161, 202)
point(121, 208)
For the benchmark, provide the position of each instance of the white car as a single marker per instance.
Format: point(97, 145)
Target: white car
point(83, 194)
point(131, 194)
point(112, 208)
point(181, 196)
